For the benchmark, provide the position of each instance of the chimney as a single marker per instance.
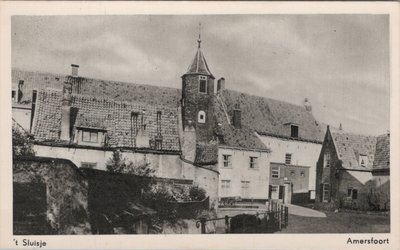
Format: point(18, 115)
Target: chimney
point(340, 126)
point(307, 105)
point(74, 70)
point(237, 116)
point(66, 111)
point(221, 84)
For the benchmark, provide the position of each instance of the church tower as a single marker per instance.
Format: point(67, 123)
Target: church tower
point(197, 94)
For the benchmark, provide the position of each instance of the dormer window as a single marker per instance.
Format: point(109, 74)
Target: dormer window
point(202, 84)
point(201, 116)
point(363, 160)
point(90, 136)
point(294, 131)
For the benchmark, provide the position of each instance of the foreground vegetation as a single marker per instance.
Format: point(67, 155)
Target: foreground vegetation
point(342, 222)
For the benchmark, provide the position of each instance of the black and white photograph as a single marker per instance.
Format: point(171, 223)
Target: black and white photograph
point(149, 124)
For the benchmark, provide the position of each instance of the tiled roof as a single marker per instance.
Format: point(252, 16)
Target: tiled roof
point(113, 116)
point(271, 117)
point(206, 153)
point(199, 65)
point(118, 91)
point(350, 146)
point(382, 153)
point(230, 136)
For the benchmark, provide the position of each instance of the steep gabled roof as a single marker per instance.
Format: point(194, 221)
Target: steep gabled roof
point(199, 65)
point(350, 146)
point(118, 91)
point(272, 117)
point(100, 113)
point(382, 153)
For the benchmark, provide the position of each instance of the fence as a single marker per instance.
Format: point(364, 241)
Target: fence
point(274, 219)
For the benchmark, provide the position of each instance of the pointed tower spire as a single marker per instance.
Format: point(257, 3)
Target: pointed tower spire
point(199, 65)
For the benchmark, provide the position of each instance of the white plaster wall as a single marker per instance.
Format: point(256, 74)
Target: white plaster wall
point(22, 117)
point(167, 166)
point(303, 153)
point(240, 171)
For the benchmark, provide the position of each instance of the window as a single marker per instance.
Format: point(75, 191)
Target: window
point(273, 192)
point(88, 164)
point(201, 117)
point(225, 184)
point(227, 161)
point(327, 160)
point(89, 136)
point(288, 158)
point(14, 95)
point(352, 193)
point(325, 192)
point(292, 173)
point(363, 160)
point(294, 131)
point(203, 84)
point(275, 172)
point(245, 189)
point(302, 173)
point(225, 188)
point(253, 162)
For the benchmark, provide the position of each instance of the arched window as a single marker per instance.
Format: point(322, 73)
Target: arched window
point(201, 118)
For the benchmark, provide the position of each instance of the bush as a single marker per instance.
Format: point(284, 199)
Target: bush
point(196, 193)
point(118, 164)
point(22, 142)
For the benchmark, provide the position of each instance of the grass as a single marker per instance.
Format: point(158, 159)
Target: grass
point(342, 222)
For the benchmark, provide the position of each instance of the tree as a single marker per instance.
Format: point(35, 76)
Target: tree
point(196, 193)
point(118, 164)
point(22, 142)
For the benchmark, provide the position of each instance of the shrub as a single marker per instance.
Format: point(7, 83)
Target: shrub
point(22, 142)
point(196, 193)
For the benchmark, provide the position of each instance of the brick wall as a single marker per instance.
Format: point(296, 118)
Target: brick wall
point(194, 101)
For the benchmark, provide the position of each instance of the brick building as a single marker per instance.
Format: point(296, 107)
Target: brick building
point(381, 171)
point(346, 167)
point(221, 139)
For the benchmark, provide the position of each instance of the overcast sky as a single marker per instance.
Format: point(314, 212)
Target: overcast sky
point(340, 62)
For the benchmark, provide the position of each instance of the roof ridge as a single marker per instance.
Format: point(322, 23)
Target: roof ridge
point(263, 97)
point(115, 102)
point(352, 134)
point(95, 79)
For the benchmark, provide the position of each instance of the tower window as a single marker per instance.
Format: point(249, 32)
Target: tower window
point(203, 84)
point(294, 131)
point(201, 116)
